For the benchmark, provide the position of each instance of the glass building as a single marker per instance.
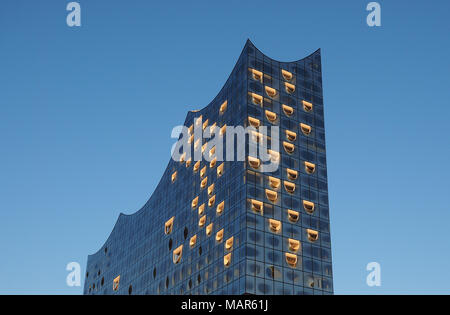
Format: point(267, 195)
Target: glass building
point(220, 225)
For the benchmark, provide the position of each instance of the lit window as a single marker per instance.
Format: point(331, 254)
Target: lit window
point(203, 171)
point(310, 167)
point(291, 174)
point(293, 216)
point(257, 99)
point(209, 229)
point(306, 129)
point(290, 187)
point(219, 236)
point(201, 209)
point(213, 163)
point(174, 176)
point(257, 206)
point(253, 122)
point(202, 221)
point(291, 260)
point(211, 201)
point(288, 110)
point(274, 182)
point(211, 189)
point(220, 207)
point(270, 91)
point(168, 226)
point(290, 88)
point(271, 116)
point(204, 182)
point(290, 135)
point(229, 243)
point(220, 170)
point(116, 283)
point(294, 245)
point(196, 166)
point(223, 130)
point(194, 203)
point(192, 241)
point(288, 147)
point(177, 253)
point(286, 75)
point(307, 106)
point(223, 107)
point(271, 195)
point(227, 260)
point(308, 206)
point(274, 225)
point(254, 162)
point(256, 75)
point(312, 235)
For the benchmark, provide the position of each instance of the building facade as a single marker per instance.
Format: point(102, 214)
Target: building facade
point(230, 222)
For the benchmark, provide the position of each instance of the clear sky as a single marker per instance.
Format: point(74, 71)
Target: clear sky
point(86, 115)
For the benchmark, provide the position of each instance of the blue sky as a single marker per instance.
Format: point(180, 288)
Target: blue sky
point(86, 115)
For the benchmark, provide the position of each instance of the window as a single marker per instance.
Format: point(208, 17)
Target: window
point(256, 75)
point(288, 147)
point(220, 207)
point(274, 182)
point(293, 216)
point(220, 170)
point(192, 241)
point(274, 225)
point(308, 206)
point(271, 195)
point(177, 253)
point(213, 163)
point(168, 226)
point(307, 106)
point(229, 243)
point(312, 235)
point(291, 136)
point(254, 162)
point(271, 116)
point(211, 201)
point(219, 236)
point(271, 91)
point(174, 176)
point(288, 110)
point(202, 221)
point(292, 174)
point(257, 206)
point(209, 229)
point(194, 203)
point(201, 209)
point(253, 122)
point(223, 107)
point(204, 182)
point(290, 187)
point(196, 166)
point(257, 99)
point(211, 189)
point(227, 260)
point(291, 260)
point(290, 88)
point(310, 167)
point(286, 75)
point(116, 283)
point(306, 129)
point(294, 245)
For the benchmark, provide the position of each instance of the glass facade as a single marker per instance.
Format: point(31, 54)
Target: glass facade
point(226, 227)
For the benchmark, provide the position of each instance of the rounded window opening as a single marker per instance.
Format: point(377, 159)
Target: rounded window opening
point(186, 232)
point(130, 289)
point(170, 244)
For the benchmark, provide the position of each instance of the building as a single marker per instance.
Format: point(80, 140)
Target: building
point(227, 226)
